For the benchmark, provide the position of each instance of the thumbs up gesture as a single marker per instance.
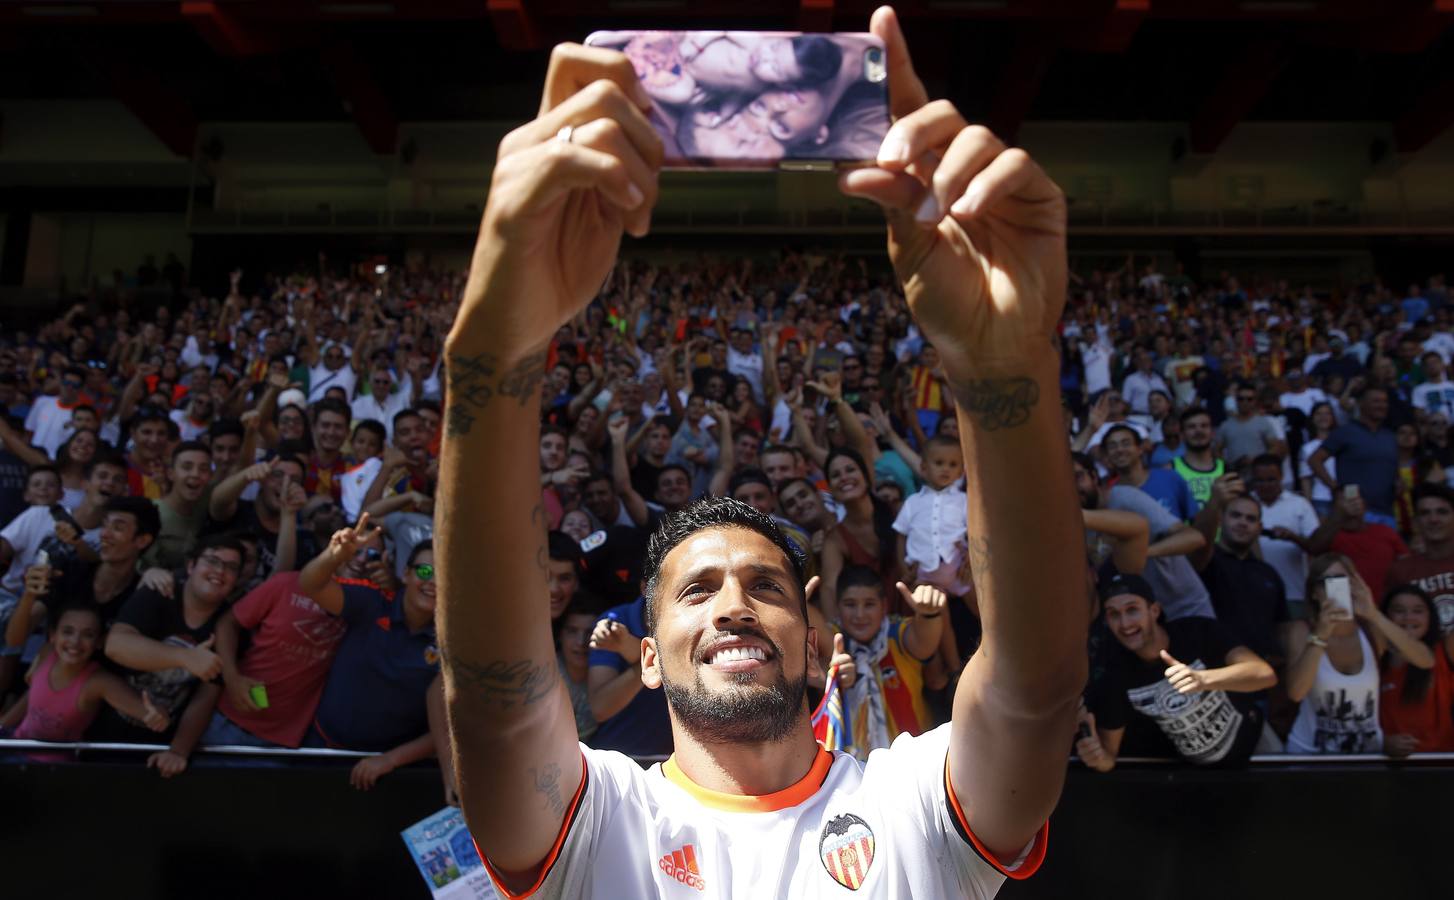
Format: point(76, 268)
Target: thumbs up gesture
point(1183, 677)
point(847, 671)
point(202, 662)
point(926, 599)
point(154, 719)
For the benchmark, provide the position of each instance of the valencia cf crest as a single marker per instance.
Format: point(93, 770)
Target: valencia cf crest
point(846, 849)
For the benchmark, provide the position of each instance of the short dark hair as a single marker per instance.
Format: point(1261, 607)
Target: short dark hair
point(561, 546)
point(426, 545)
point(42, 468)
point(224, 427)
point(1267, 459)
point(1193, 412)
point(148, 413)
point(1437, 491)
point(106, 458)
point(189, 447)
point(1087, 462)
point(375, 427)
point(711, 512)
point(289, 457)
point(1122, 426)
point(403, 414)
point(748, 476)
point(148, 520)
point(329, 405)
point(942, 440)
point(669, 467)
point(217, 542)
point(1370, 386)
point(858, 576)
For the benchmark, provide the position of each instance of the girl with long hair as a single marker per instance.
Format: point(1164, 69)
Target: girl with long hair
point(1416, 705)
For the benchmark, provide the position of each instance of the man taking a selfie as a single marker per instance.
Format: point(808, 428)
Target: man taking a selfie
point(750, 804)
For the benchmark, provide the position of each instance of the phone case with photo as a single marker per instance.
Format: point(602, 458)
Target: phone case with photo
point(760, 99)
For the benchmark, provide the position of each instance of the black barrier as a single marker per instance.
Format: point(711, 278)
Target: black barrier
point(258, 829)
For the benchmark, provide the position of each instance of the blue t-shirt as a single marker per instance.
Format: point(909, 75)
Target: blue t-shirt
point(1172, 492)
point(374, 699)
point(1161, 457)
point(1368, 459)
point(642, 727)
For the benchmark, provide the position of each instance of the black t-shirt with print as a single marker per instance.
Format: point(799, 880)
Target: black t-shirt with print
point(161, 619)
point(1207, 728)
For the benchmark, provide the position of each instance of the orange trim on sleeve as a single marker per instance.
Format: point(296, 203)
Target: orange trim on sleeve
point(1033, 859)
point(550, 858)
point(786, 798)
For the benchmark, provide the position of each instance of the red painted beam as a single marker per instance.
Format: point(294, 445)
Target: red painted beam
point(1019, 82)
point(1243, 83)
point(362, 97)
point(224, 32)
point(815, 15)
point(1430, 116)
point(514, 25)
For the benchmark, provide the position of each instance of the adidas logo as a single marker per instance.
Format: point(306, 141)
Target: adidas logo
point(682, 866)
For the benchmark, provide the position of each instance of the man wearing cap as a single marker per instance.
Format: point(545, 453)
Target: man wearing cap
point(1338, 362)
point(1177, 689)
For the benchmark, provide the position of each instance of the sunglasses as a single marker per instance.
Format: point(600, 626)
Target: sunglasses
point(424, 572)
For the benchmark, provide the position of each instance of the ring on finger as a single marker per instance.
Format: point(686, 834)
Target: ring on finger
point(564, 135)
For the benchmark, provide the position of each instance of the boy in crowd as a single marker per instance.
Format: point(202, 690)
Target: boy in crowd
point(881, 658)
point(931, 524)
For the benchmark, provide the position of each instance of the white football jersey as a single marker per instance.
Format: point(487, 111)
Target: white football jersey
point(888, 829)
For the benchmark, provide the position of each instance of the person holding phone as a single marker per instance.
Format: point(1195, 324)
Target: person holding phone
point(1335, 678)
point(980, 248)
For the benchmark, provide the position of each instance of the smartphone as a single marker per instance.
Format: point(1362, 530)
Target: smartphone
point(259, 694)
point(761, 99)
point(372, 555)
point(1350, 491)
point(1083, 731)
point(59, 514)
point(1335, 587)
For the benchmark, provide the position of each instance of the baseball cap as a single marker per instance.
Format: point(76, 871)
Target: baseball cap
point(1120, 584)
point(292, 397)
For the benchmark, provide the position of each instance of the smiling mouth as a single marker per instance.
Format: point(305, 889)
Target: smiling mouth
point(737, 658)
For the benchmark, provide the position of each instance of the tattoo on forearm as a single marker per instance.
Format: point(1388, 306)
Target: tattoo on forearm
point(996, 403)
point(978, 549)
point(505, 684)
point(547, 785)
point(473, 384)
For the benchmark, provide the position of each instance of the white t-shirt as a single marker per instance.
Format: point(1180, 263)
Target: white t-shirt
point(1435, 397)
point(321, 379)
point(1304, 400)
point(190, 430)
point(934, 524)
point(1340, 712)
point(355, 485)
point(1096, 358)
point(369, 407)
point(888, 829)
point(746, 365)
point(1321, 491)
point(1136, 390)
point(50, 423)
point(1296, 514)
point(29, 533)
point(1442, 343)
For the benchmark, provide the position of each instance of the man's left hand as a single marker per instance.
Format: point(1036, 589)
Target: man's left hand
point(1183, 677)
point(926, 599)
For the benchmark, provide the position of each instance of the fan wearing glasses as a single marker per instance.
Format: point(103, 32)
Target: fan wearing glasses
point(165, 645)
point(378, 691)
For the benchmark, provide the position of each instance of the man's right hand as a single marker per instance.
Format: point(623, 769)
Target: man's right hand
point(557, 207)
point(1226, 488)
point(202, 662)
point(260, 471)
point(847, 669)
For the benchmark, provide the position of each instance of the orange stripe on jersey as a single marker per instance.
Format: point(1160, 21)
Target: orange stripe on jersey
point(552, 856)
point(786, 798)
point(690, 853)
point(1033, 859)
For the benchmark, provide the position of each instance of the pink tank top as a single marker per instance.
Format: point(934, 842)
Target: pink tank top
point(51, 715)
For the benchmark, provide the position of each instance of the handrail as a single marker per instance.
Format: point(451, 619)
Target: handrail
point(1268, 760)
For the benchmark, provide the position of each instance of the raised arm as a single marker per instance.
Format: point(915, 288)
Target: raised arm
point(316, 580)
point(549, 236)
point(621, 472)
point(1131, 532)
point(986, 282)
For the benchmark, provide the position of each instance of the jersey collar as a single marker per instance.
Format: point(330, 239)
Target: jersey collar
point(786, 798)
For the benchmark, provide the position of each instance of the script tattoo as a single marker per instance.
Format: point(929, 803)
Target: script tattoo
point(473, 384)
point(505, 684)
point(547, 785)
point(996, 403)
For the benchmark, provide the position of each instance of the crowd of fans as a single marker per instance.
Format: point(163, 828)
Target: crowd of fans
point(218, 512)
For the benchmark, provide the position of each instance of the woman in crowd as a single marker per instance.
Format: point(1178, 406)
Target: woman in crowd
point(1321, 423)
point(1335, 678)
point(71, 459)
point(1416, 705)
point(865, 536)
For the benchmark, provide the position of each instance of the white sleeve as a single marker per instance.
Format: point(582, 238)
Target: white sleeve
point(32, 418)
point(914, 771)
point(610, 785)
point(904, 520)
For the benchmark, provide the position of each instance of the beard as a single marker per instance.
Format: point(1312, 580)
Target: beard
point(746, 713)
